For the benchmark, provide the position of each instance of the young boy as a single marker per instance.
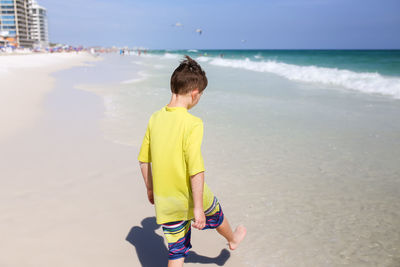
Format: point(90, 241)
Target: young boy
point(175, 178)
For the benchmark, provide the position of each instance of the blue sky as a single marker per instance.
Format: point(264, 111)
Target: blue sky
point(268, 24)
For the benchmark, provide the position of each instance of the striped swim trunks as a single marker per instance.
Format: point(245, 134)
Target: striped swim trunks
point(178, 233)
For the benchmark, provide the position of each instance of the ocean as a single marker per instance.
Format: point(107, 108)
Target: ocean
point(301, 146)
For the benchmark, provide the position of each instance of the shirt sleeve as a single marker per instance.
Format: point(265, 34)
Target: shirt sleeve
point(145, 152)
point(193, 157)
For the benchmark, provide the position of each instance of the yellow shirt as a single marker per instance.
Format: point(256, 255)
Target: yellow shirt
point(172, 144)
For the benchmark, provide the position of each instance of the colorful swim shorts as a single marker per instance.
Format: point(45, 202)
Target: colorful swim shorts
point(178, 233)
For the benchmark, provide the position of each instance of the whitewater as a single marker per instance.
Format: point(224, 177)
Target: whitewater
point(363, 82)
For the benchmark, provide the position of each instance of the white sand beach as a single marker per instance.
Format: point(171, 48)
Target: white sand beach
point(69, 197)
point(25, 80)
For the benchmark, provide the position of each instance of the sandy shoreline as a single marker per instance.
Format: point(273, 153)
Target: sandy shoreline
point(71, 198)
point(312, 190)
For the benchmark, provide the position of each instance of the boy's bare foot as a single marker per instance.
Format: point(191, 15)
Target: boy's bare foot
point(238, 236)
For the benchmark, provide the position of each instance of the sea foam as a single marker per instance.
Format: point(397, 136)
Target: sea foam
point(366, 82)
point(171, 56)
point(141, 76)
point(203, 59)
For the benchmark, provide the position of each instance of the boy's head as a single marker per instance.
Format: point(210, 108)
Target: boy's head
point(188, 76)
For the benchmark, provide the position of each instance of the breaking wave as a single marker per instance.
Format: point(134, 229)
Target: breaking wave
point(366, 82)
point(172, 56)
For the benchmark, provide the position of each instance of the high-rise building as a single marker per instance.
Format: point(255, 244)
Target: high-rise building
point(15, 22)
point(23, 23)
point(39, 28)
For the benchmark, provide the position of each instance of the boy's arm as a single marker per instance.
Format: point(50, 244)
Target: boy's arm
point(145, 167)
point(197, 184)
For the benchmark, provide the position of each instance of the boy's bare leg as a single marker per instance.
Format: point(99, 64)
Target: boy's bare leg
point(176, 263)
point(233, 238)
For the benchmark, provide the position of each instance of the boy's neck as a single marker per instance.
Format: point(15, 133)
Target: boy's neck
point(180, 101)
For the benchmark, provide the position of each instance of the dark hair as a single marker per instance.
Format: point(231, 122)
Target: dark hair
point(187, 77)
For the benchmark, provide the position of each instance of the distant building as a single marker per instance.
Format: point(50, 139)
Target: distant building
point(23, 23)
point(15, 22)
point(39, 28)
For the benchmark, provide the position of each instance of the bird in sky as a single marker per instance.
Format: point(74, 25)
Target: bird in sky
point(178, 24)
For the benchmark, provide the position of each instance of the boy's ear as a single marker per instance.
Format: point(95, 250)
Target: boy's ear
point(195, 92)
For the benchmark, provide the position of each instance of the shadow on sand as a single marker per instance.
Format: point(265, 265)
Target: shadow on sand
point(152, 252)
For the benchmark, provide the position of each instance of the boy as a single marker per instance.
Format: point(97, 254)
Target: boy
point(175, 178)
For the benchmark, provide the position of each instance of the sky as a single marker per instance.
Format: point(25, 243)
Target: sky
point(233, 24)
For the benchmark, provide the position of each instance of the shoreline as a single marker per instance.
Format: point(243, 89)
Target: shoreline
point(70, 197)
point(312, 152)
point(61, 202)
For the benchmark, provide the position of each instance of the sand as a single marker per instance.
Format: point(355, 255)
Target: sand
point(69, 197)
point(25, 81)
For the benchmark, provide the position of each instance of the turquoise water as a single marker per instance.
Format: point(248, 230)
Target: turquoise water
point(385, 62)
point(367, 71)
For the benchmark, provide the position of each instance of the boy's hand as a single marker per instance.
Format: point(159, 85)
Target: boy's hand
point(150, 196)
point(199, 219)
